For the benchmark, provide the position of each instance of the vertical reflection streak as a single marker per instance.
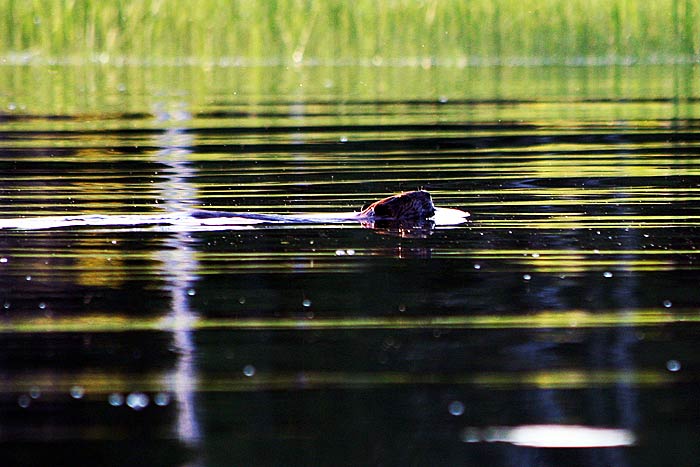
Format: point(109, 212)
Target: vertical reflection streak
point(180, 265)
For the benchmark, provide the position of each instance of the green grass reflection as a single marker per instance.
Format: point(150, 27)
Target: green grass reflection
point(541, 320)
point(97, 384)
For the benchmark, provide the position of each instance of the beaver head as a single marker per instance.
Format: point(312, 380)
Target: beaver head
point(410, 205)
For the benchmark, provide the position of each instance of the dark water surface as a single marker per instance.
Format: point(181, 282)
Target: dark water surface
point(570, 299)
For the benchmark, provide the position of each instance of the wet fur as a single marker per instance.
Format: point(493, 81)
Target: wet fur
point(410, 205)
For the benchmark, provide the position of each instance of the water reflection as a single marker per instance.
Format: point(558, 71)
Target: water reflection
point(552, 436)
point(565, 312)
point(179, 266)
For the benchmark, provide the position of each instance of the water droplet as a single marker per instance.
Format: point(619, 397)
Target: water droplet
point(471, 435)
point(667, 304)
point(456, 408)
point(137, 400)
point(607, 274)
point(673, 365)
point(306, 302)
point(249, 370)
point(115, 399)
point(77, 392)
point(191, 292)
point(24, 401)
point(162, 399)
point(527, 277)
point(298, 57)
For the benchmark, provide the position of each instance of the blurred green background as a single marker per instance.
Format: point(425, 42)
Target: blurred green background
point(91, 57)
point(423, 33)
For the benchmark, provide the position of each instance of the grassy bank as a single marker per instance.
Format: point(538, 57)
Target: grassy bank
point(420, 33)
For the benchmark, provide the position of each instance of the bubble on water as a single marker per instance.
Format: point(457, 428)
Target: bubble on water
point(527, 277)
point(343, 139)
point(350, 252)
point(456, 408)
point(6, 305)
point(298, 57)
point(115, 399)
point(28, 278)
point(471, 435)
point(667, 304)
point(42, 306)
point(340, 252)
point(3, 260)
point(77, 392)
point(162, 399)
point(191, 292)
point(137, 400)
point(306, 302)
point(477, 266)
point(24, 401)
point(34, 392)
point(535, 255)
point(673, 365)
point(249, 370)
point(402, 308)
point(241, 300)
point(607, 274)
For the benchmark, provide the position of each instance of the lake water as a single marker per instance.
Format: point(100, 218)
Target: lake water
point(565, 312)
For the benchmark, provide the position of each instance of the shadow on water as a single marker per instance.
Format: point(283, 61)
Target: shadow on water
point(558, 325)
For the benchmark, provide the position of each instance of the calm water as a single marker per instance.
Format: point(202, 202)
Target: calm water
point(569, 299)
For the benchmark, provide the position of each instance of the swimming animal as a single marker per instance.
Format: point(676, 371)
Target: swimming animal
point(410, 209)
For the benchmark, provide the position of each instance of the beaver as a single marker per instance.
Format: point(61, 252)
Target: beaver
point(406, 206)
point(407, 209)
